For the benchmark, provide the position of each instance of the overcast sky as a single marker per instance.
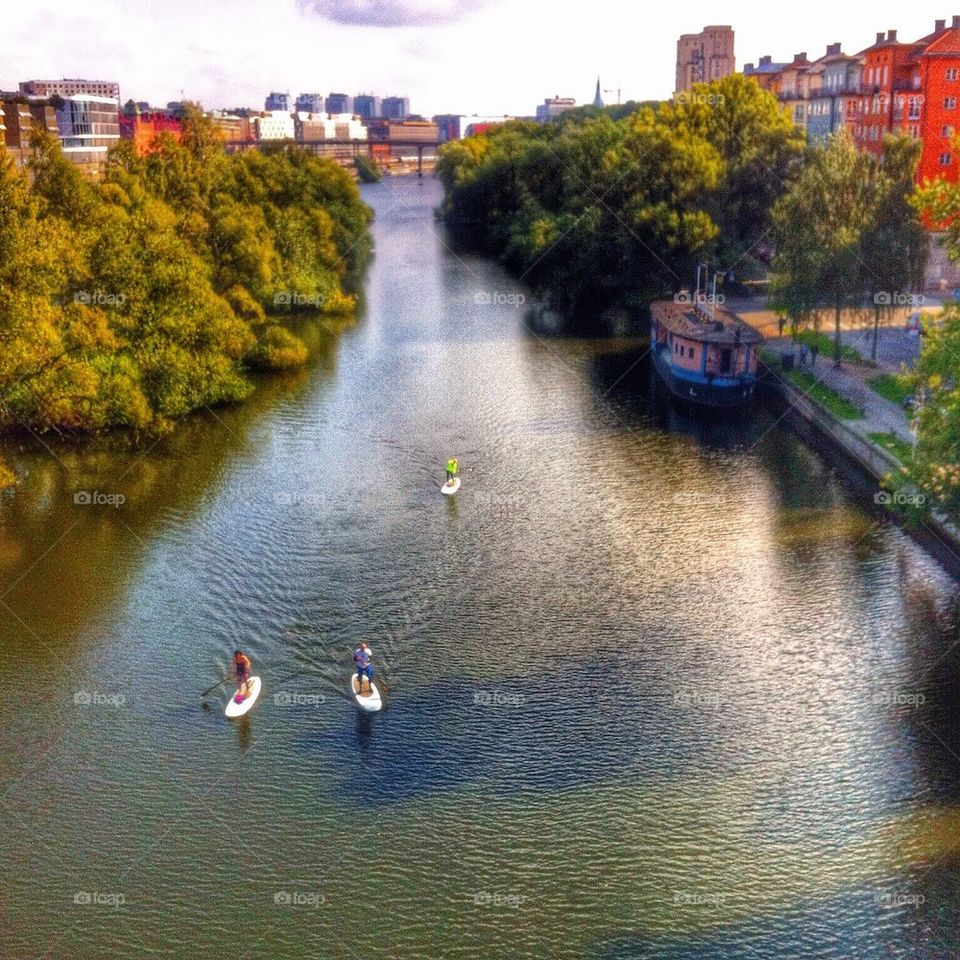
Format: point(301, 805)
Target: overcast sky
point(456, 56)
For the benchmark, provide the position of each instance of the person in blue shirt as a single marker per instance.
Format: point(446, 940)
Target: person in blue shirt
point(363, 657)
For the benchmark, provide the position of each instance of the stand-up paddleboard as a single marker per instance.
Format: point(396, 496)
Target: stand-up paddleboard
point(371, 701)
point(238, 709)
point(449, 489)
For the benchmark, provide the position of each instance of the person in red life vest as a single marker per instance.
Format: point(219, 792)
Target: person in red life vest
point(242, 668)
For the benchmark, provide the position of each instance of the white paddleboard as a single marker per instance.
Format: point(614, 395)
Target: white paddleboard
point(449, 489)
point(372, 703)
point(235, 709)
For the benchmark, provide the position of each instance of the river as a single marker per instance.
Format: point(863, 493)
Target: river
point(655, 685)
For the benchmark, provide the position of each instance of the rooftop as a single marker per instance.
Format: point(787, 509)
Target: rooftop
point(685, 320)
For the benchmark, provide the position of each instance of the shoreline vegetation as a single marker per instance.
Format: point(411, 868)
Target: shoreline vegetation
point(602, 211)
point(134, 302)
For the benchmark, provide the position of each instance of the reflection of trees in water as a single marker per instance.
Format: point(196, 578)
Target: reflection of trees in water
point(57, 546)
point(933, 631)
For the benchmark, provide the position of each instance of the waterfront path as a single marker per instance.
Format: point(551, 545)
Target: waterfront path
point(851, 380)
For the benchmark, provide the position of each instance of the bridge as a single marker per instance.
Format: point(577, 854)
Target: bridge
point(357, 147)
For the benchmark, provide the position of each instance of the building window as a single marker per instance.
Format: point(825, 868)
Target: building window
point(946, 159)
point(947, 130)
point(949, 103)
point(952, 73)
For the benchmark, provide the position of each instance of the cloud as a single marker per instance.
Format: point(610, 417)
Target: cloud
point(392, 13)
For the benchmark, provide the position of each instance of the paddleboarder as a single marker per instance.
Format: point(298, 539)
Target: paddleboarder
point(363, 657)
point(242, 667)
point(453, 465)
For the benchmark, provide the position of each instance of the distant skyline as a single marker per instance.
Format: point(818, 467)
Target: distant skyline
point(448, 56)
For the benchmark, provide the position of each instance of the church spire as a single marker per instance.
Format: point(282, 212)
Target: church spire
point(598, 99)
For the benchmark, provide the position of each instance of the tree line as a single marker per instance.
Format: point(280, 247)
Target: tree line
point(604, 209)
point(132, 302)
point(601, 209)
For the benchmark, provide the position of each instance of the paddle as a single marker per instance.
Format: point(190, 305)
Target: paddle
point(217, 684)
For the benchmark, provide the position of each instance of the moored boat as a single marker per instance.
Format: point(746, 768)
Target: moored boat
point(705, 354)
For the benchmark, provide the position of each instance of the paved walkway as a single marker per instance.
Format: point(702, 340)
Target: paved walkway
point(850, 381)
point(754, 310)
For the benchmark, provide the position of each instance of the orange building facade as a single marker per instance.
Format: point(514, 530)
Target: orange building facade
point(939, 78)
point(893, 87)
point(144, 128)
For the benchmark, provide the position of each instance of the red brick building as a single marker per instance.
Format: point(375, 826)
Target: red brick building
point(890, 77)
point(938, 70)
point(144, 128)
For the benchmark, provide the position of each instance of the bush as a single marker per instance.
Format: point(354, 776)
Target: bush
point(278, 349)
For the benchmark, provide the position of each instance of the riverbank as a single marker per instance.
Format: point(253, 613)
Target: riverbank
point(134, 302)
point(630, 614)
point(854, 408)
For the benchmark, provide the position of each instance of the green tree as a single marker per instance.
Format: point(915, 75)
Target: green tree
point(761, 149)
point(895, 247)
point(820, 228)
point(132, 303)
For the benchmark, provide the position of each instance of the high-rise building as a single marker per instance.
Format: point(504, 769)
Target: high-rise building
point(704, 56)
point(310, 103)
point(553, 106)
point(396, 108)
point(89, 126)
point(277, 101)
point(68, 88)
point(367, 106)
point(449, 126)
point(339, 103)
